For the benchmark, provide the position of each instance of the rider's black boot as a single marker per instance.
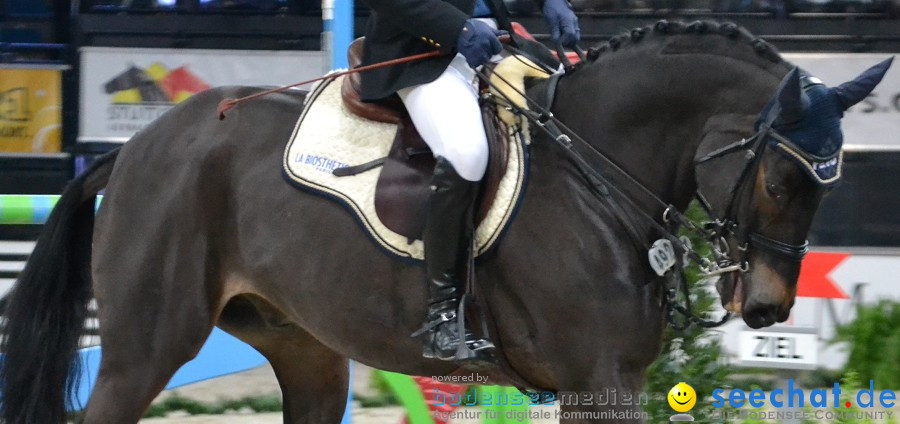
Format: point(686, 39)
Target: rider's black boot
point(449, 228)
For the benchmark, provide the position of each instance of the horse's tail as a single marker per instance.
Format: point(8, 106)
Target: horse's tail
point(46, 310)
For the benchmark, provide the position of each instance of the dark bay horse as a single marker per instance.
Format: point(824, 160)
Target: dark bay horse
point(198, 228)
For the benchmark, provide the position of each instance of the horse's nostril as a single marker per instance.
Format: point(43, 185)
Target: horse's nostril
point(760, 316)
point(784, 315)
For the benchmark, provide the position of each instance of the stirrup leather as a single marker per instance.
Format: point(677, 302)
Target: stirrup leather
point(471, 349)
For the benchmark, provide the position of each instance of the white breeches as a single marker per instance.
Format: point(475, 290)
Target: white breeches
point(446, 114)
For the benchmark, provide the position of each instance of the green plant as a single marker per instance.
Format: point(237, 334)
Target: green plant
point(820, 377)
point(270, 403)
point(377, 400)
point(809, 417)
point(175, 402)
point(179, 403)
point(849, 386)
point(383, 396)
point(757, 378)
point(874, 339)
point(693, 355)
point(755, 419)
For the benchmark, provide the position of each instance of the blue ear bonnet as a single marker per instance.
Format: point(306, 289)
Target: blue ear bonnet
point(803, 121)
point(814, 141)
point(819, 132)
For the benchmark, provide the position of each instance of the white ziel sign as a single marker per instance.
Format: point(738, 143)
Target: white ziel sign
point(124, 89)
point(779, 347)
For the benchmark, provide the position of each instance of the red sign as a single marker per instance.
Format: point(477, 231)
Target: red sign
point(814, 280)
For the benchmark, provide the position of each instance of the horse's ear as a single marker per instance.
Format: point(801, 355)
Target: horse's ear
point(852, 92)
point(792, 101)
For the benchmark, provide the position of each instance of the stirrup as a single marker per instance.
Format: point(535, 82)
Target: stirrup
point(473, 354)
point(480, 344)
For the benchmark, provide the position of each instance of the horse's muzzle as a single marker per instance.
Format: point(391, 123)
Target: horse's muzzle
point(763, 314)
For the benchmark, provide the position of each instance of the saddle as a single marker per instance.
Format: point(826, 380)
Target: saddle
point(402, 190)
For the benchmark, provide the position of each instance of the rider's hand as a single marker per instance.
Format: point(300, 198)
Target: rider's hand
point(478, 42)
point(562, 22)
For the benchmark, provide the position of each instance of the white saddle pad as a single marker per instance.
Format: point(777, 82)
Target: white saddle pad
point(327, 136)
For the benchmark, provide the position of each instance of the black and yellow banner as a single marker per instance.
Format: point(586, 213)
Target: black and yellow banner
point(30, 110)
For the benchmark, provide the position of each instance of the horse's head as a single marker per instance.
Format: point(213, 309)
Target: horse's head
point(764, 191)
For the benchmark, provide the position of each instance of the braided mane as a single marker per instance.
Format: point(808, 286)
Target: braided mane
point(666, 28)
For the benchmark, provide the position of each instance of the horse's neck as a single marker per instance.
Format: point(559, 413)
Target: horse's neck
point(648, 115)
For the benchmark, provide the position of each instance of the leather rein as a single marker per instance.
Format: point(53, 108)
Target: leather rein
point(716, 232)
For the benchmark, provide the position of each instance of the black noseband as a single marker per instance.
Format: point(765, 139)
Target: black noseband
point(794, 252)
point(742, 193)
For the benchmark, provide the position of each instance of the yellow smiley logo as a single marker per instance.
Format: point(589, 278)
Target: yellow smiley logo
point(682, 397)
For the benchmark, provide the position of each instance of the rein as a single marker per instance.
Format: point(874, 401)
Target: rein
point(714, 232)
point(601, 187)
point(553, 127)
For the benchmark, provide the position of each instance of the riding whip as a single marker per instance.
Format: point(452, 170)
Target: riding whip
point(227, 104)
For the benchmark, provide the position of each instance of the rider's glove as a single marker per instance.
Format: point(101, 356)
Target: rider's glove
point(478, 42)
point(562, 22)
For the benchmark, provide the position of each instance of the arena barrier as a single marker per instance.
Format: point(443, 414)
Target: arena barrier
point(221, 355)
point(26, 209)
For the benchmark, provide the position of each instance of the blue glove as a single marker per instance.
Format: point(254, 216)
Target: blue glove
point(478, 42)
point(562, 22)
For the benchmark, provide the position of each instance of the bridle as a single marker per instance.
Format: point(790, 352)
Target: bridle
point(722, 229)
point(729, 227)
point(717, 233)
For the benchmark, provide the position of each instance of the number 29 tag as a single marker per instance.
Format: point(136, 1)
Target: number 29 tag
point(662, 256)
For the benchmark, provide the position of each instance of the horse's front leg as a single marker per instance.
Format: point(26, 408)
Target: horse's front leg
point(605, 382)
